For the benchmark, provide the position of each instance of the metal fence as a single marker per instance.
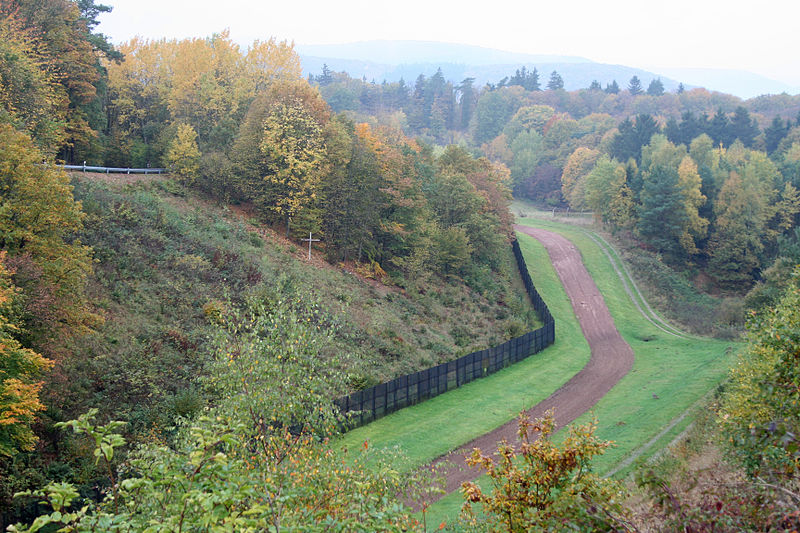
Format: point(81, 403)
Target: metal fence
point(410, 389)
point(107, 170)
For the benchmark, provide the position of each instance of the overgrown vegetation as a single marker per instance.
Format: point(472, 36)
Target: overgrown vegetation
point(257, 460)
point(173, 304)
point(168, 265)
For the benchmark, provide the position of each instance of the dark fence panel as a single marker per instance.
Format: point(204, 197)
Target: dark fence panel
point(385, 398)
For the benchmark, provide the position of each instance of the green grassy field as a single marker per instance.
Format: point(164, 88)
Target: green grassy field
point(434, 427)
point(670, 375)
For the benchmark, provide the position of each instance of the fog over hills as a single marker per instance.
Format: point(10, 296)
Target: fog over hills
point(392, 60)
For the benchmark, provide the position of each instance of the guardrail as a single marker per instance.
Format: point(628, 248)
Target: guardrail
point(410, 389)
point(115, 170)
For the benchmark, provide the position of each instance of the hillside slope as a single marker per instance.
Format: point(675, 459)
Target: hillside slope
point(169, 261)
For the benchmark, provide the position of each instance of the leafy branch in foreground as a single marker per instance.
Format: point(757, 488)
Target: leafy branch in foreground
point(544, 487)
point(259, 460)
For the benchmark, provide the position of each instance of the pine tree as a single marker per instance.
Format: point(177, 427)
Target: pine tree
point(632, 136)
point(662, 215)
point(719, 129)
point(325, 78)
point(612, 88)
point(533, 81)
point(656, 88)
point(775, 133)
point(467, 97)
point(595, 86)
point(635, 86)
point(556, 82)
point(743, 127)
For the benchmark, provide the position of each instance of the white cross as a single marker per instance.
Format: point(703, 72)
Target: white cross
point(310, 240)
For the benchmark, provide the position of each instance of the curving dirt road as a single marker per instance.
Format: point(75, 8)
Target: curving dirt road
point(611, 358)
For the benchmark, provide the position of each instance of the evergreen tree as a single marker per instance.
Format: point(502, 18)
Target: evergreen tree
point(719, 129)
point(775, 133)
point(635, 86)
point(325, 78)
point(556, 82)
point(533, 81)
point(692, 127)
point(656, 88)
point(673, 131)
point(595, 86)
point(613, 87)
point(681, 89)
point(519, 77)
point(743, 127)
point(662, 215)
point(467, 98)
point(632, 136)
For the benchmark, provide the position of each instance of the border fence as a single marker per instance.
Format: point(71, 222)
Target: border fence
point(385, 398)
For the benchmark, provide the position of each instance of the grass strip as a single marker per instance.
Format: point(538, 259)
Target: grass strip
point(669, 374)
point(432, 428)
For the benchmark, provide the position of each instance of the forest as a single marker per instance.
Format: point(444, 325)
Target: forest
point(168, 364)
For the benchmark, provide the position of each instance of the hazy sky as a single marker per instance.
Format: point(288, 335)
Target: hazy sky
point(761, 37)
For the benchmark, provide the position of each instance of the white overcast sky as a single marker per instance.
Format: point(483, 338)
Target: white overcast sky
point(762, 37)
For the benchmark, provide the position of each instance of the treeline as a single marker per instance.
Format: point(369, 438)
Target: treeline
point(243, 125)
point(450, 107)
point(730, 210)
point(674, 169)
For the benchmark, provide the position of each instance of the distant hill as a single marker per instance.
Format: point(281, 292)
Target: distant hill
point(401, 52)
point(575, 75)
point(391, 60)
point(739, 82)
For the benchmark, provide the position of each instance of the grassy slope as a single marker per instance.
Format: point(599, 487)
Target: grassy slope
point(164, 253)
point(669, 375)
point(434, 427)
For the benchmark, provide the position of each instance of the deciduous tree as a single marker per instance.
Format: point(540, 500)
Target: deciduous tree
point(20, 372)
point(293, 146)
point(39, 221)
point(545, 486)
point(183, 155)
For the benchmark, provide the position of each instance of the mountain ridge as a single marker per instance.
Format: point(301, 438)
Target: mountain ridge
point(391, 60)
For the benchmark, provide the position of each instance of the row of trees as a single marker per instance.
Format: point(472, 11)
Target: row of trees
point(725, 208)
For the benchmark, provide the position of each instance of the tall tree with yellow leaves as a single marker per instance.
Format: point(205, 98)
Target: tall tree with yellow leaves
point(39, 219)
point(183, 156)
point(294, 149)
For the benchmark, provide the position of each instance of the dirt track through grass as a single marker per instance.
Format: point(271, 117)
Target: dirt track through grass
point(611, 358)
